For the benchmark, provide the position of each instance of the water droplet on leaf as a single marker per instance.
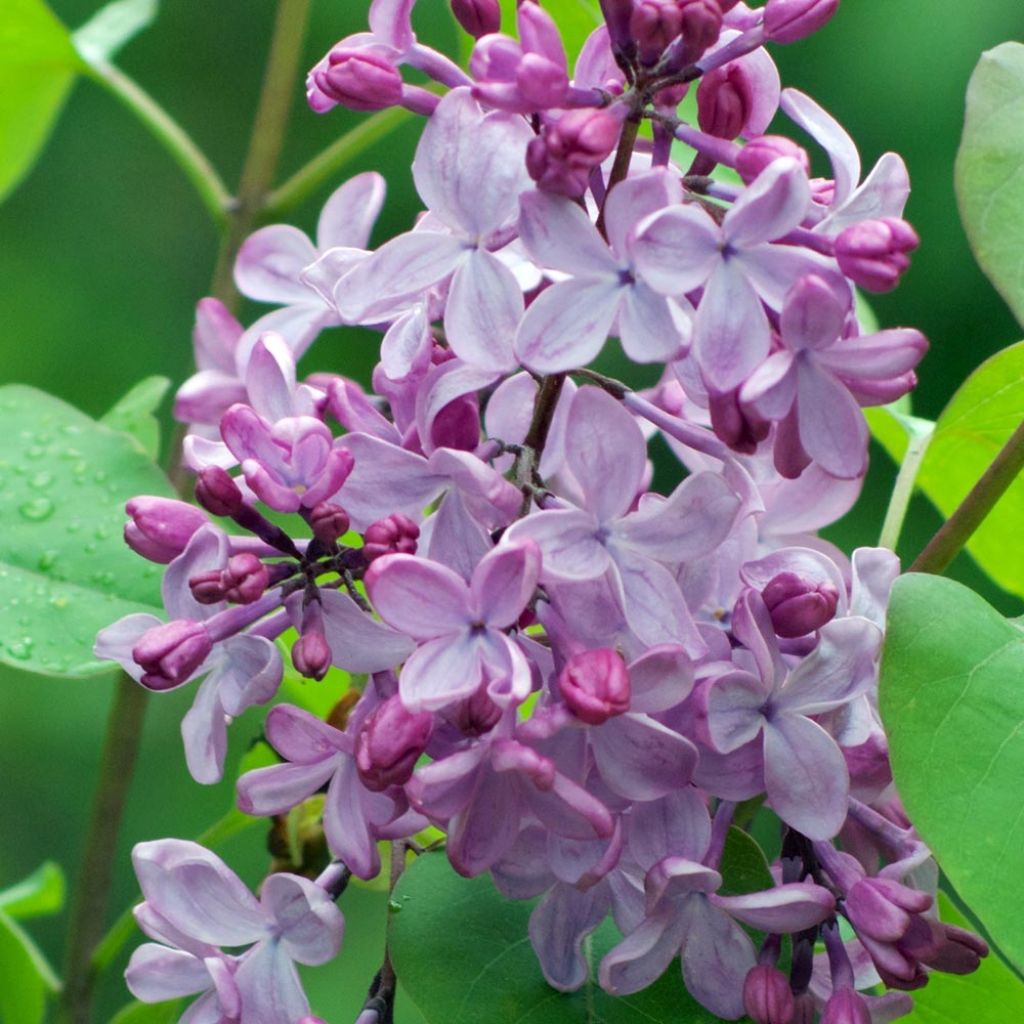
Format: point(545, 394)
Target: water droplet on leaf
point(36, 510)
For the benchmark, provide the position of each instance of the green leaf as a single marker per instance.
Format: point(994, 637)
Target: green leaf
point(133, 414)
point(972, 429)
point(989, 182)
point(41, 893)
point(576, 19)
point(149, 1013)
point(65, 571)
point(993, 994)
point(490, 970)
point(953, 706)
point(27, 977)
point(37, 66)
point(113, 26)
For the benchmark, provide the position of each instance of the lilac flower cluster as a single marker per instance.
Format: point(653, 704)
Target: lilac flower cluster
point(574, 677)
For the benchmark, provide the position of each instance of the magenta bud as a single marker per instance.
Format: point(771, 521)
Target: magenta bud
point(617, 15)
point(359, 79)
point(477, 17)
point(561, 158)
point(873, 253)
point(328, 522)
point(171, 653)
point(457, 425)
point(477, 714)
point(702, 25)
point(245, 578)
point(595, 685)
point(311, 653)
point(395, 534)
point(671, 96)
point(207, 587)
point(390, 742)
point(845, 1006)
point(725, 99)
point(161, 527)
point(654, 24)
point(757, 154)
point(217, 492)
point(961, 952)
point(786, 21)
point(799, 606)
point(767, 997)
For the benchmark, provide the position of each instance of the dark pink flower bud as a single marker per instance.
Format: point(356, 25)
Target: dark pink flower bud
point(171, 653)
point(161, 527)
point(328, 522)
point(845, 1006)
point(311, 653)
point(360, 79)
point(654, 24)
point(217, 492)
point(457, 425)
point(207, 587)
point(245, 578)
point(671, 96)
point(390, 742)
point(477, 17)
point(757, 154)
point(873, 253)
point(767, 997)
point(799, 606)
point(561, 158)
point(786, 21)
point(617, 15)
point(961, 952)
point(477, 714)
point(725, 100)
point(595, 685)
point(395, 534)
point(702, 25)
point(804, 1010)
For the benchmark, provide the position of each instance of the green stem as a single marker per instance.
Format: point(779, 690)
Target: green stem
point(903, 489)
point(89, 902)
point(325, 166)
point(171, 136)
point(266, 140)
point(971, 513)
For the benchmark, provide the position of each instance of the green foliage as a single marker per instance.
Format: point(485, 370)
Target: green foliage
point(489, 967)
point(992, 995)
point(37, 66)
point(972, 429)
point(133, 414)
point(42, 892)
point(65, 571)
point(989, 183)
point(953, 706)
point(112, 26)
point(150, 1013)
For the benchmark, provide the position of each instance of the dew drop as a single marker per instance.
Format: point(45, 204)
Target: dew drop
point(47, 560)
point(36, 510)
point(21, 649)
point(59, 601)
point(34, 451)
point(41, 480)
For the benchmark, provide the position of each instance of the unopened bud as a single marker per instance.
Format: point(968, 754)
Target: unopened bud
point(477, 714)
point(654, 24)
point(328, 522)
point(217, 492)
point(797, 605)
point(360, 79)
point(457, 425)
point(395, 534)
point(171, 653)
point(561, 158)
point(161, 528)
point(757, 154)
point(845, 1006)
point(311, 653)
point(961, 952)
point(767, 997)
point(390, 742)
point(245, 578)
point(873, 253)
point(702, 25)
point(595, 685)
point(207, 587)
point(725, 100)
point(786, 21)
point(477, 17)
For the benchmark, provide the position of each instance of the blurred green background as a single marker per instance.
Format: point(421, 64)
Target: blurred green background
point(105, 249)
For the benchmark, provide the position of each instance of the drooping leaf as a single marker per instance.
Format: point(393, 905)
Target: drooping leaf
point(37, 66)
point(989, 182)
point(133, 413)
point(992, 995)
point(40, 893)
point(149, 1013)
point(953, 706)
point(27, 979)
point(65, 571)
point(490, 970)
point(112, 26)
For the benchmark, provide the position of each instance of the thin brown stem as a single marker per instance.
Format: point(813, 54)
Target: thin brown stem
point(972, 511)
point(623, 155)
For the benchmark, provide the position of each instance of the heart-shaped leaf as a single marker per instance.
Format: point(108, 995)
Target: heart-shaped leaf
point(952, 701)
point(65, 571)
point(989, 182)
